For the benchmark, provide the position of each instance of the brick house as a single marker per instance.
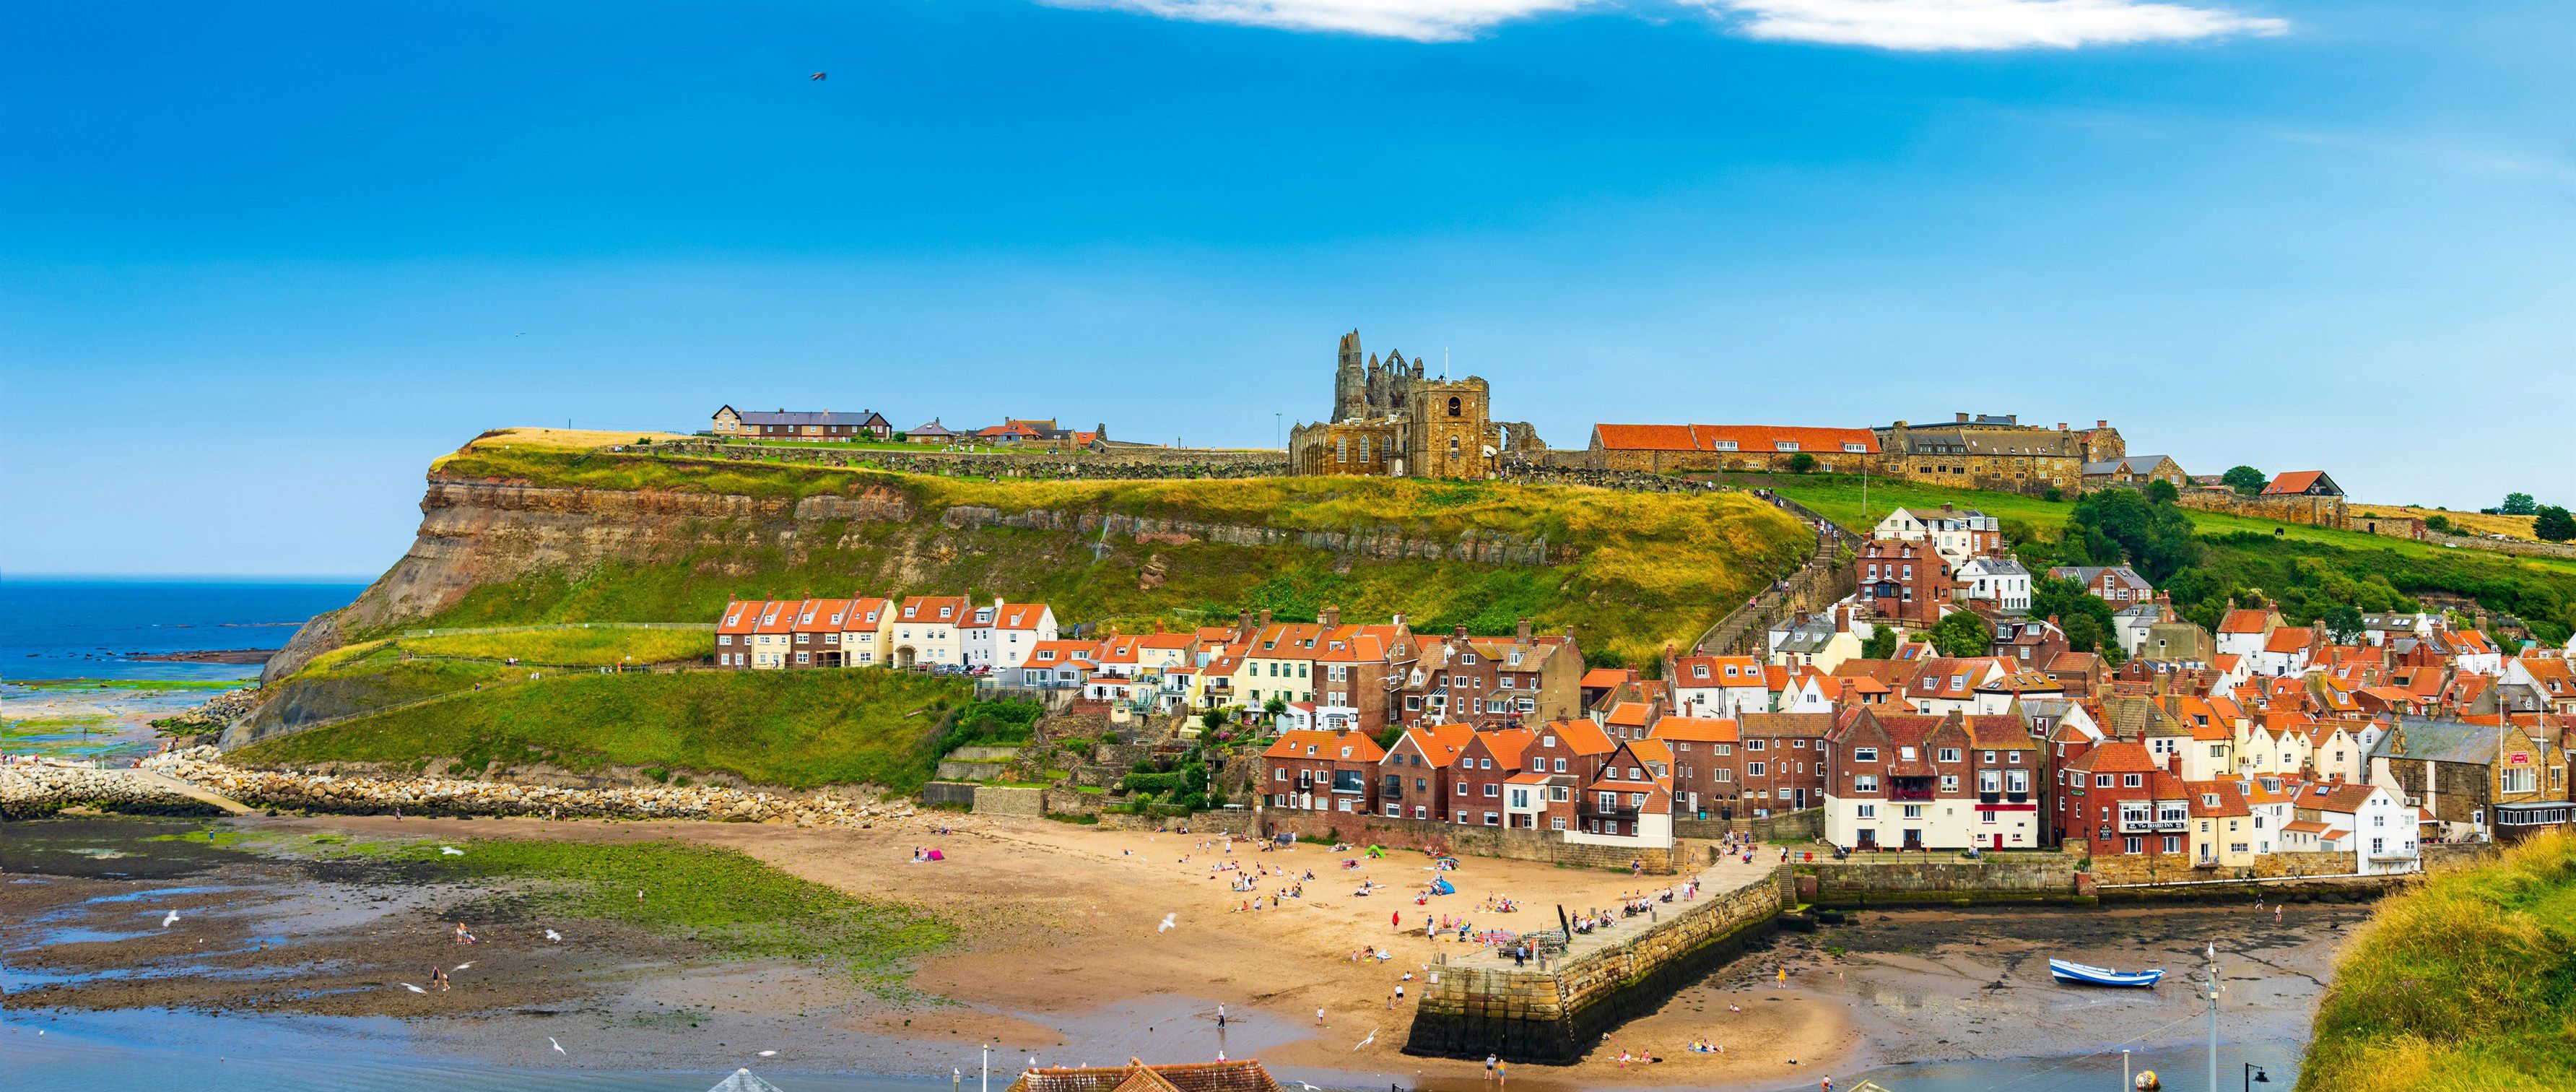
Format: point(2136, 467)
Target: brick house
point(1704, 763)
point(1318, 771)
point(1658, 448)
point(2116, 801)
point(1910, 781)
point(1576, 747)
point(1955, 534)
point(1631, 803)
point(1780, 762)
point(2029, 644)
point(1519, 679)
point(2118, 585)
point(1489, 759)
point(1413, 778)
point(1903, 581)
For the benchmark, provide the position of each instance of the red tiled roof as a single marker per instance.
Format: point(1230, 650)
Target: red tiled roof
point(2294, 481)
point(1766, 438)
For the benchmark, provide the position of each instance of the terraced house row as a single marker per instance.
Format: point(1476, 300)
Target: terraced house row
point(917, 632)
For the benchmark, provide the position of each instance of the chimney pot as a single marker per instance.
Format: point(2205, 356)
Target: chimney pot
point(2099, 423)
point(1963, 418)
point(2061, 426)
point(1521, 632)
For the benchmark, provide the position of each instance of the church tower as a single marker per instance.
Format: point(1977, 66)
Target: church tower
point(1350, 382)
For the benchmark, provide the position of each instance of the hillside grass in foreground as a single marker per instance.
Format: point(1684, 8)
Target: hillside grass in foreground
point(795, 729)
point(2468, 983)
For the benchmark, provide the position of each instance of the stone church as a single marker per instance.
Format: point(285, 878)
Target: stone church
point(1388, 419)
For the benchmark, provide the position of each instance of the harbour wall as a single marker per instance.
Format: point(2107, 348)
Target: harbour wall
point(1552, 1016)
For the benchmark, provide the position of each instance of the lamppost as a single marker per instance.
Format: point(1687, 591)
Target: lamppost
point(2254, 1075)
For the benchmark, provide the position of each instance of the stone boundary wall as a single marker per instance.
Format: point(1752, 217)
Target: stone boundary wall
point(2328, 512)
point(2178, 869)
point(1116, 463)
point(1553, 1017)
point(949, 793)
point(1904, 878)
point(1808, 826)
point(2513, 546)
point(1506, 843)
point(999, 800)
point(33, 791)
point(1241, 824)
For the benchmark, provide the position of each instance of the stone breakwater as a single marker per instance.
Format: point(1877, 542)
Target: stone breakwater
point(30, 790)
point(38, 790)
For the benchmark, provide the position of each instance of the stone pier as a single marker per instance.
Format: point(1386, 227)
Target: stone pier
point(1473, 1008)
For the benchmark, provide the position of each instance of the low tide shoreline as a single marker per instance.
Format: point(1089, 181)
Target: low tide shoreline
point(1048, 963)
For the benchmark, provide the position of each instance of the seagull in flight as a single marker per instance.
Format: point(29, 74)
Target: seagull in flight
point(819, 77)
point(769, 1054)
point(1372, 1037)
point(170, 919)
point(554, 936)
point(412, 988)
point(450, 851)
point(467, 963)
point(1167, 923)
point(550, 1041)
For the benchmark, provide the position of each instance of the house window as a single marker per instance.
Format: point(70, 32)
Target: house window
point(1867, 811)
point(1949, 754)
point(1864, 754)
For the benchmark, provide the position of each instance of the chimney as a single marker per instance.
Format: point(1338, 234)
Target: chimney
point(1332, 617)
point(1461, 634)
point(1945, 506)
point(2061, 426)
point(1396, 619)
point(1963, 418)
point(1265, 618)
point(1243, 621)
point(2052, 619)
point(1521, 633)
point(2098, 423)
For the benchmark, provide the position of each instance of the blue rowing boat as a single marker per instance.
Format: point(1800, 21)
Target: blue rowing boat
point(2101, 976)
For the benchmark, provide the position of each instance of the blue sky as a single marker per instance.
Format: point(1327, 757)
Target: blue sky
point(259, 262)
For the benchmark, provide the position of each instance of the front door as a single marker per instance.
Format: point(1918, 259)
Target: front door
point(1868, 838)
point(1999, 841)
point(1913, 838)
point(903, 657)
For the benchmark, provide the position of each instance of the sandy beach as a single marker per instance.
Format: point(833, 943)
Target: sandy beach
point(1060, 956)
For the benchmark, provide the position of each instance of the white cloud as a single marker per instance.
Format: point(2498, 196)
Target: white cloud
point(1419, 20)
point(1931, 25)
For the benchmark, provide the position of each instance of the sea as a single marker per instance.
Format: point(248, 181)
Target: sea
point(91, 628)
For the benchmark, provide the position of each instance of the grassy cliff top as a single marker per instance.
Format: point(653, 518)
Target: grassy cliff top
point(1321, 503)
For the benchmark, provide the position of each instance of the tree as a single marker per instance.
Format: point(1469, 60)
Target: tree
point(2343, 624)
point(2553, 524)
point(2083, 634)
point(1802, 463)
point(1962, 633)
point(1212, 720)
point(2517, 504)
point(2244, 479)
point(2082, 614)
point(1881, 644)
point(2438, 522)
point(2117, 524)
point(2163, 492)
point(1275, 706)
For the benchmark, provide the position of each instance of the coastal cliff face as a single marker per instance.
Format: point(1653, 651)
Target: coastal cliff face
point(481, 534)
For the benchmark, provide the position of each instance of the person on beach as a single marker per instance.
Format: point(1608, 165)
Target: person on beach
point(1319, 1016)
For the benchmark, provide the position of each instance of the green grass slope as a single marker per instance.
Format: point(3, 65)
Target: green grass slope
point(2466, 984)
point(793, 729)
point(2248, 553)
point(1647, 567)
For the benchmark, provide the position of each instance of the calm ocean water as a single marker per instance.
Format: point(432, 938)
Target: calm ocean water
point(61, 629)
